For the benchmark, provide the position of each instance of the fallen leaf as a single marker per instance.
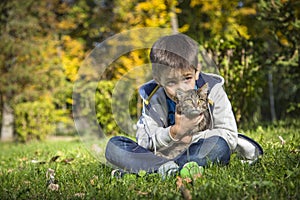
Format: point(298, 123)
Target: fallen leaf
point(53, 187)
point(281, 140)
point(37, 152)
point(80, 195)
point(184, 191)
point(67, 160)
point(92, 181)
point(23, 159)
point(142, 193)
point(50, 175)
point(179, 182)
point(295, 151)
point(38, 162)
point(54, 158)
point(188, 180)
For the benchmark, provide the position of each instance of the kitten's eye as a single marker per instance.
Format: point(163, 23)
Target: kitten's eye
point(189, 101)
point(200, 101)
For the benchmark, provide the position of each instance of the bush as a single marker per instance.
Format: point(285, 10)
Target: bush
point(34, 120)
point(116, 108)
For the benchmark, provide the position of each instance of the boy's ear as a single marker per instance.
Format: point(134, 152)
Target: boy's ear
point(197, 75)
point(198, 70)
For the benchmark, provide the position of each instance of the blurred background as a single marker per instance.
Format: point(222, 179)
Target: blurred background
point(254, 44)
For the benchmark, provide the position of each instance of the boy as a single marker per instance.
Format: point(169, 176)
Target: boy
point(164, 142)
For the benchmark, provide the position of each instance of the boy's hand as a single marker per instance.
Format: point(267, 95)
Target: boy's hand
point(183, 126)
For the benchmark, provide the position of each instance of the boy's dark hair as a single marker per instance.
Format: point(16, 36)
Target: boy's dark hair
point(176, 51)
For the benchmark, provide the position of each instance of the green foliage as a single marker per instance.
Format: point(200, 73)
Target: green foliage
point(244, 79)
point(225, 36)
point(44, 43)
point(116, 107)
point(33, 61)
point(103, 107)
point(280, 47)
point(216, 20)
point(248, 41)
point(36, 120)
point(23, 172)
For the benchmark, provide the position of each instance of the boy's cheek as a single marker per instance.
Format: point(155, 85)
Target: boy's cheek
point(170, 92)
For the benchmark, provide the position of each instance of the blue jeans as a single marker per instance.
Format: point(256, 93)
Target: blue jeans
point(126, 154)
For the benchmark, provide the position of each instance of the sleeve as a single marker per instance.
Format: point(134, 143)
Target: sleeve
point(151, 134)
point(224, 123)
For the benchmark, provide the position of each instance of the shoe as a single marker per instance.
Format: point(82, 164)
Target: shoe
point(191, 170)
point(248, 150)
point(117, 173)
point(121, 174)
point(168, 169)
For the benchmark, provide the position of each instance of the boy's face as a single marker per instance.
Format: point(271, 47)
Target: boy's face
point(178, 79)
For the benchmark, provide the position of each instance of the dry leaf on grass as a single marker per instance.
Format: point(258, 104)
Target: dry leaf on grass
point(50, 175)
point(186, 193)
point(54, 158)
point(281, 140)
point(53, 187)
point(80, 195)
point(67, 160)
point(93, 180)
point(38, 162)
point(142, 193)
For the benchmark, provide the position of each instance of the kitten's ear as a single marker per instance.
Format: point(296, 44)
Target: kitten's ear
point(203, 90)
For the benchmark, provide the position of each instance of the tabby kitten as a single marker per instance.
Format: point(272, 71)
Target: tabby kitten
point(192, 103)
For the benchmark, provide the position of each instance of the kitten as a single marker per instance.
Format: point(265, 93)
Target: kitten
point(192, 103)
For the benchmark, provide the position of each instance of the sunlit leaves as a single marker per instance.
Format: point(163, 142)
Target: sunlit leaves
point(72, 55)
point(153, 13)
point(222, 18)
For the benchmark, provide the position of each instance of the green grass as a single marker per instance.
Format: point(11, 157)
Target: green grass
point(23, 169)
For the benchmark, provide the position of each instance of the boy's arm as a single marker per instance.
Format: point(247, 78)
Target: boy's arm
point(224, 123)
point(155, 137)
point(150, 134)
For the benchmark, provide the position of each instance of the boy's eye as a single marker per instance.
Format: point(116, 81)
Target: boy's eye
point(170, 83)
point(187, 78)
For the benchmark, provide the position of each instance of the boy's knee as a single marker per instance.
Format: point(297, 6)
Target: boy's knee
point(222, 149)
point(116, 140)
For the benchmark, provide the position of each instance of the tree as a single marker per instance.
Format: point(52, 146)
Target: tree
point(221, 29)
point(17, 33)
point(30, 64)
point(279, 36)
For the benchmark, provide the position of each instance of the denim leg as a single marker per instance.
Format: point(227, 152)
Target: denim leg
point(213, 149)
point(128, 155)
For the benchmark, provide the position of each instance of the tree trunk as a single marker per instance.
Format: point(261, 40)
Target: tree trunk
point(271, 96)
point(174, 21)
point(7, 129)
